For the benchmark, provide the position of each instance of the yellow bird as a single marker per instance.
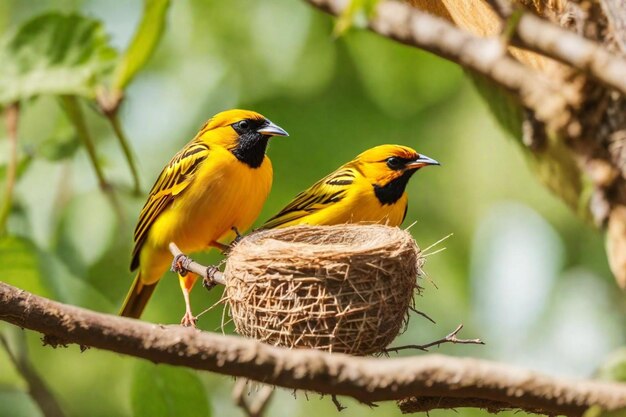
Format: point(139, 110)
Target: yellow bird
point(370, 188)
point(216, 184)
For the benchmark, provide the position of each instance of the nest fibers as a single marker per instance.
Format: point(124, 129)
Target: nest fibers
point(345, 288)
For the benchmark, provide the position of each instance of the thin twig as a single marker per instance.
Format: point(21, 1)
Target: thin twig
point(421, 313)
point(183, 263)
point(114, 120)
point(450, 338)
point(340, 407)
point(259, 403)
point(37, 387)
point(11, 118)
point(365, 379)
point(75, 114)
point(541, 36)
point(72, 108)
point(108, 104)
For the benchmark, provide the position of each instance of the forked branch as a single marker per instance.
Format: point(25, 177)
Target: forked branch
point(541, 36)
point(450, 338)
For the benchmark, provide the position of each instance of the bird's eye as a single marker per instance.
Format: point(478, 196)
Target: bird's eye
point(243, 125)
point(394, 163)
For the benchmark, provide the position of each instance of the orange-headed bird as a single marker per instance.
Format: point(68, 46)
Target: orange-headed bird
point(216, 184)
point(370, 188)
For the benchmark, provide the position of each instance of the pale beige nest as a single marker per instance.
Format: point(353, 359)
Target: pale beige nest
point(345, 288)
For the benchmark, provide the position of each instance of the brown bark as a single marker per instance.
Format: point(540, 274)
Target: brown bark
point(454, 381)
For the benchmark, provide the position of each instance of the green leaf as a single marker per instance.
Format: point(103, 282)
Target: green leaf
point(54, 54)
point(113, 263)
point(18, 221)
point(78, 240)
point(20, 265)
point(167, 391)
point(143, 44)
point(61, 144)
point(72, 289)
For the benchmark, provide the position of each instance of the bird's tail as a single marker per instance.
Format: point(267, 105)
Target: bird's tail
point(137, 298)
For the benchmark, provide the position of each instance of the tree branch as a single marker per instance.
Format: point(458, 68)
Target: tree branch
point(366, 379)
point(183, 264)
point(71, 106)
point(108, 105)
point(550, 99)
point(614, 10)
point(426, 404)
point(450, 338)
point(541, 36)
point(114, 120)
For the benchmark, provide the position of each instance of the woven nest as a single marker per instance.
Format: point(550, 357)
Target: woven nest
point(345, 288)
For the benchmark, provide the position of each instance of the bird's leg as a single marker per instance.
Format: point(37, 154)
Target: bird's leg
point(226, 248)
point(186, 284)
point(238, 236)
point(220, 246)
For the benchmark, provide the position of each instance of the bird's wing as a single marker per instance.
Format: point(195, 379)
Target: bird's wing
point(327, 191)
point(173, 180)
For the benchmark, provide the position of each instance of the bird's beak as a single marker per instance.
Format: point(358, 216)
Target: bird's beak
point(423, 160)
point(271, 129)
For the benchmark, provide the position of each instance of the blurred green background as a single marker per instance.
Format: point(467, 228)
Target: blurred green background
point(520, 271)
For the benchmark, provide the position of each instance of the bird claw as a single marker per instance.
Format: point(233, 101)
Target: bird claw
point(180, 264)
point(189, 320)
point(208, 282)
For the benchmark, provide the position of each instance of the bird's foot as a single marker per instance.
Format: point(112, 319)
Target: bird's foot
point(189, 320)
point(208, 281)
point(180, 264)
